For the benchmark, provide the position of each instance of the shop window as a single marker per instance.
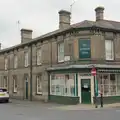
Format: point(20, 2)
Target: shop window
point(118, 84)
point(109, 84)
point(62, 84)
point(112, 76)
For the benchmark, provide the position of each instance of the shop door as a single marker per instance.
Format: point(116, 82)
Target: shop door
point(26, 86)
point(86, 91)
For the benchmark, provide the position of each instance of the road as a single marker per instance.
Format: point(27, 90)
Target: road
point(38, 111)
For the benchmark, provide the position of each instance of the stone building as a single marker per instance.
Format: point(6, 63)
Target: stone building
point(57, 66)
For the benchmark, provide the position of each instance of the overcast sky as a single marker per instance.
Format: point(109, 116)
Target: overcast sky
point(42, 15)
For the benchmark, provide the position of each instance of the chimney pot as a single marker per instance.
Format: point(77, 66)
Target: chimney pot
point(0, 46)
point(99, 13)
point(26, 35)
point(64, 19)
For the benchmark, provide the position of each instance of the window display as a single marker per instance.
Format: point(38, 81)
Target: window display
point(109, 84)
point(62, 84)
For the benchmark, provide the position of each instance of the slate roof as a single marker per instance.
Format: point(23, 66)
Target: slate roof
point(105, 24)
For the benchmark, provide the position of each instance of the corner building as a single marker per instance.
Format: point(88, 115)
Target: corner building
point(56, 67)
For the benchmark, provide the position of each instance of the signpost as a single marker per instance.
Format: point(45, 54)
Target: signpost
point(93, 72)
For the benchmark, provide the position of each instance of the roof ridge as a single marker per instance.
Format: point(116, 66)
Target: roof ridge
point(112, 21)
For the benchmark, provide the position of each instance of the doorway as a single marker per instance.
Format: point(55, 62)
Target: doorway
point(86, 91)
point(26, 87)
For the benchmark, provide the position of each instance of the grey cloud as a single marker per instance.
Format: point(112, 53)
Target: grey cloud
point(42, 15)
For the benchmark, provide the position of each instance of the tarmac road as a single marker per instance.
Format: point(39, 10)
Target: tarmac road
point(37, 111)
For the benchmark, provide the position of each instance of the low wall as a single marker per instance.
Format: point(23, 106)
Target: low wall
point(109, 99)
point(64, 99)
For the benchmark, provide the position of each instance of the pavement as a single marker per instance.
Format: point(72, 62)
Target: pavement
point(86, 107)
point(26, 110)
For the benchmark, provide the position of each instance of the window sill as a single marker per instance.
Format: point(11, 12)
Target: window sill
point(15, 68)
point(85, 59)
point(26, 66)
point(14, 92)
point(62, 61)
point(65, 95)
point(110, 60)
point(39, 94)
point(39, 64)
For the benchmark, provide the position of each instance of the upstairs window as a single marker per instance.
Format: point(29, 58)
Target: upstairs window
point(26, 59)
point(39, 55)
point(15, 61)
point(61, 52)
point(6, 63)
point(109, 50)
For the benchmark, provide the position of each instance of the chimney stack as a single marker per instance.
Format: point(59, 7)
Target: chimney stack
point(26, 35)
point(64, 19)
point(99, 13)
point(0, 46)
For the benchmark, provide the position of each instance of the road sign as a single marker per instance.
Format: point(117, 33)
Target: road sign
point(93, 71)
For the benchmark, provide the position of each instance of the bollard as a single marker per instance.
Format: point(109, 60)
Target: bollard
point(101, 100)
point(95, 101)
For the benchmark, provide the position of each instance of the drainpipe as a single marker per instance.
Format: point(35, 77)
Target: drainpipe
point(49, 72)
point(30, 72)
point(51, 55)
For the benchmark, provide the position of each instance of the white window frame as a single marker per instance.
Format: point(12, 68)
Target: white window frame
point(26, 59)
point(61, 52)
point(5, 82)
point(15, 61)
point(109, 49)
point(39, 55)
point(39, 84)
point(102, 83)
point(6, 63)
point(14, 85)
point(61, 86)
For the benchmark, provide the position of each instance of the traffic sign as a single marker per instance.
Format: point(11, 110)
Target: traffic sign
point(93, 71)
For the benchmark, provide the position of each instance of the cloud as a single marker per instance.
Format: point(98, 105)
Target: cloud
point(42, 15)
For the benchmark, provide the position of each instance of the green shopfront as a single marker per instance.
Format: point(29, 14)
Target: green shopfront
point(63, 88)
point(74, 84)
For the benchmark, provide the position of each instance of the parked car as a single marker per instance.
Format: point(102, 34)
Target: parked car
point(4, 95)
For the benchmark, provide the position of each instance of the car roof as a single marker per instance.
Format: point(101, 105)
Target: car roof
point(3, 89)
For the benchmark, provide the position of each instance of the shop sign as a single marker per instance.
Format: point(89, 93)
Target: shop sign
point(93, 71)
point(84, 49)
